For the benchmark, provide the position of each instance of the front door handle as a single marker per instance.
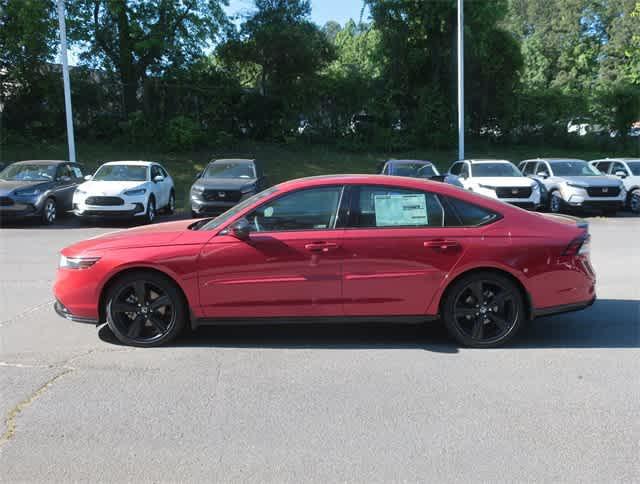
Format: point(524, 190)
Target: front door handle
point(442, 244)
point(321, 246)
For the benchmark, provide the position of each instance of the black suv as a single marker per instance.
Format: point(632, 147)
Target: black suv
point(224, 183)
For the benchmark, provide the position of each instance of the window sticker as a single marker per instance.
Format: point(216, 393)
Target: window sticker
point(401, 210)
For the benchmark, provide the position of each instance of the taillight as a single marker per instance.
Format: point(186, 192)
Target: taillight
point(578, 246)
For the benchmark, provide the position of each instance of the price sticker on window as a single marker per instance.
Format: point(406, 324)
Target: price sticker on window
point(397, 210)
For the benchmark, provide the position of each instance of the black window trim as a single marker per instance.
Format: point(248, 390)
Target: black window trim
point(338, 211)
point(442, 201)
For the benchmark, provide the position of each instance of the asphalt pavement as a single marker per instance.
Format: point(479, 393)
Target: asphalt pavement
point(365, 403)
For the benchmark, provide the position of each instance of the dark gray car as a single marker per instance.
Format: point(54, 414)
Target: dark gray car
point(38, 188)
point(224, 183)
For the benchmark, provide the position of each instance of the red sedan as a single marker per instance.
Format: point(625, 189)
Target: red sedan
point(338, 248)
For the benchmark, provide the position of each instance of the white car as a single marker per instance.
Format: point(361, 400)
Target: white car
point(628, 170)
point(136, 189)
point(498, 179)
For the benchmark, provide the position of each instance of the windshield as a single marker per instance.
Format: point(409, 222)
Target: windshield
point(494, 169)
point(634, 166)
point(573, 168)
point(34, 172)
point(415, 170)
point(221, 219)
point(230, 169)
point(121, 173)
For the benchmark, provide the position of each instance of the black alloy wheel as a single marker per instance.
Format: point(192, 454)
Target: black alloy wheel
point(171, 206)
point(555, 202)
point(151, 210)
point(145, 309)
point(49, 211)
point(483, 310)
point(634, 201)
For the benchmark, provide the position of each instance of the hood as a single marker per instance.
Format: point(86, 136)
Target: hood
point(148, 236)
point(225, 183)
point(593, 181)
point(504, 181)
point(8, 186)
point(109, 188)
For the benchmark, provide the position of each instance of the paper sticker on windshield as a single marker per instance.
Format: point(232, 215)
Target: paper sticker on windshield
point(400, 210)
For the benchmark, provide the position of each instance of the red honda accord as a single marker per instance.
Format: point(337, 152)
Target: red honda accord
point(344, 248)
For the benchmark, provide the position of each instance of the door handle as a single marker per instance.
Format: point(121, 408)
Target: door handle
point(442, 244)
point(320, 246)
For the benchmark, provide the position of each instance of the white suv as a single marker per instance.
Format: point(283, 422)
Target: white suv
point(498, 179)
point(628, 170)
point(126, 189)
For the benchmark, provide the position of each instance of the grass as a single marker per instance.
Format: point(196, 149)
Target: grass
point(283, 162)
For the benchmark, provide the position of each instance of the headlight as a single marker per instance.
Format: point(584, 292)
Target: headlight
point(77, 262)
point(488, 187)
point(136, 192)
point(28, 192)
point(576, 185)
point(197, 189)
point(79, 192)
point(248, 189)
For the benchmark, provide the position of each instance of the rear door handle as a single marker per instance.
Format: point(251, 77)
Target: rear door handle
point(321, 246)
point(442, 244)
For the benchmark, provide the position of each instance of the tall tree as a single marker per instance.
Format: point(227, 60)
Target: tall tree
point(139, 38)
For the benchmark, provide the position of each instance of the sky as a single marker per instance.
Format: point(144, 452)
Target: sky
point(321, 10)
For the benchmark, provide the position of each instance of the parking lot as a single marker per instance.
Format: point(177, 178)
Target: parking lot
point(318, 403)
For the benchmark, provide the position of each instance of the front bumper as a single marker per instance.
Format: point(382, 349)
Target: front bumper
point(578, 197)
point(62, 311)
point(21, 209)
point(203, 208)
point(122, 211)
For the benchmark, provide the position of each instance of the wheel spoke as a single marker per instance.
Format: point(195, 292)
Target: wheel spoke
point(501, 323)
point(139, 288)
point(125, 307)
point(478, 329)
point(464, 311)
point(160, 302)
point(158, 323)
point(501, 298)
point(136, 327)
point(476, 291)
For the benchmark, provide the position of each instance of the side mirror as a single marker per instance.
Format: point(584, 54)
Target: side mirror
point(241, 229)
point(158, 179)
point(88, 177)
point(543, 174)
point(620, 173)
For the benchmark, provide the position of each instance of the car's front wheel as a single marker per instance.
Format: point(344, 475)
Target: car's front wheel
point(634, 201)
point(49, 211)
point(555, 202)
point(145, 309)
point(150, 216)
point(483, 310)
point(171, 206)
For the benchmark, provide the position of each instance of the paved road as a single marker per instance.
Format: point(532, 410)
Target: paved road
point(321, 403)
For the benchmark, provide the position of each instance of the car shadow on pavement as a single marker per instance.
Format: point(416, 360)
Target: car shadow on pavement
point(608, 323)
point(70, 222)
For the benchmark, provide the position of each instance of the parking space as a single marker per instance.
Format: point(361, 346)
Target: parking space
point(318, 403)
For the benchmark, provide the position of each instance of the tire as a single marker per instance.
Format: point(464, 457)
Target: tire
point(151, 213)
point(171, 206)
point(493, 321)
point(634, 201)
point(49, 211)
point(556, 203)
point(154, 321)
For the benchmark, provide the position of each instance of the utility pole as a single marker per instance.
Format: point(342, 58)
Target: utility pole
point(65, 80)
point(460, 80)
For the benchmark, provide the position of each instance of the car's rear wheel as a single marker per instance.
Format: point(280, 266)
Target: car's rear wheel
point(49, 211)
point(634, 201)
point(171, 206)
point(145, 309)
point(555, 202)
point(483, 310)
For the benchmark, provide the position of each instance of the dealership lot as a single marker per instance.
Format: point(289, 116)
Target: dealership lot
point(321, 403)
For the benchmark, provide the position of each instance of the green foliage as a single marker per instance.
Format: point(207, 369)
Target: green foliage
point(183, 133)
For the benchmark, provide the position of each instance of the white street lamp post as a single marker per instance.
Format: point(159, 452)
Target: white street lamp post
point(65, 79)
point(460, 81)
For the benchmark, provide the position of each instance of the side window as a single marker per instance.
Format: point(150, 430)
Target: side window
point(311, 209)
point(529, 168)
point(603, 166)
point(455, 169)
point(543, 167)
point(64, 171)
point(464, 170)
point(385, 170)
point(465, 214)
point(618, 167)
point(379, 206)
point(77, 171)
point(155, 171)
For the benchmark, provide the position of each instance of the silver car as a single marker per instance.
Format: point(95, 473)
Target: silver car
point(573, 183)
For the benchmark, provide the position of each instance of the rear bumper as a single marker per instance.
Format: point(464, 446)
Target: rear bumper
point(565, 308)
point(65, 313)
